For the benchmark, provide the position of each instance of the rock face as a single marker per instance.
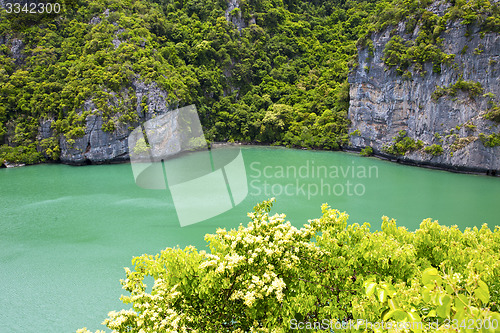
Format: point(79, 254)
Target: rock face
point(382, 102)
point(99, 146)
point(16, 47)
point(234, 17)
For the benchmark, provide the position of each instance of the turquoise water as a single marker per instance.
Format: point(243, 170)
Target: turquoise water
point(67, 232)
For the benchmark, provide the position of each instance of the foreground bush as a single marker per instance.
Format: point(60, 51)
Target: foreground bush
point(273, 277)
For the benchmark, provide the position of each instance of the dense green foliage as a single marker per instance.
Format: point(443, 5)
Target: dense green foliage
point(282, 79)
point(434, 149)
point(424, 49)
point(471, 87)
point(409, 55)
point(402, 144)
point(491, 140)
point(494, 112)
point(269, 275)
point(455, 308)
point(367, 151)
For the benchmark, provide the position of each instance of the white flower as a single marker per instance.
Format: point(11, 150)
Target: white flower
point(220, 268)
point(249, 298)
point(237, 294)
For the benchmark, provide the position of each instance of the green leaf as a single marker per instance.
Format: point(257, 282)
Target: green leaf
point(426, 295)
point(430, 275)
point(460, 307)
point(494, 319)
point(414, 318)
point(382, 295)
point(413, 315)
point(393, 304)
point(444, 308)
point(389, 288)
point(370, 287)
point(431, 314)
point(482, 292)
point(449, 289)
point(398, 315)
point(463, 299)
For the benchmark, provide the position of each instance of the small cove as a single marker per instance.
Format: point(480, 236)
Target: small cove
point(67, 232)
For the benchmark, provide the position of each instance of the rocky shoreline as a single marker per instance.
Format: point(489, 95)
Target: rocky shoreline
point(428, 164)
point(404, 160)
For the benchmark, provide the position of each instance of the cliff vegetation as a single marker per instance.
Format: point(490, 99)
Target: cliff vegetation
point(430, 70)
point(264, 71)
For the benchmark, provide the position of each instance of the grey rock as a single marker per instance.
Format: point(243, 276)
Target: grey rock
point(116, 42)
point(13, 165)
point(45, 130)
point(382, 102)
point(17, 49)
point(174, 132)
point(439, 7)
point(97, 146)
point(97, 19)
point(237, 20)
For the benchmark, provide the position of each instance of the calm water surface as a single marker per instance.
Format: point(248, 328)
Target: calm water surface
point(67, 232)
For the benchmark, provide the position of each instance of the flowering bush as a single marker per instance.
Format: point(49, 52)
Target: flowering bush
point(263, 277)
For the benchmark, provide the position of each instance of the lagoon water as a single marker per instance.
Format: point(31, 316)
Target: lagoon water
point(67, 232)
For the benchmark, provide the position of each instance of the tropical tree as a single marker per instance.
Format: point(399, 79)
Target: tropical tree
point(273, 277)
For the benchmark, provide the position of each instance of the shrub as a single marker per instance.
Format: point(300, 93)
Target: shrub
point(355, 133)
point(367, 151)
point(459, 143)
point(472, 87)
point(491, 140)
point(450, 299)
point(470, 126)
point(403, 144)
point(20, 154)
point(494, 113)
point(267, 275)
point(434, 150)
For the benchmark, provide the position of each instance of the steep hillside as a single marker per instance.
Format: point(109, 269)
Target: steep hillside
point(73, 85)
point(427, 90)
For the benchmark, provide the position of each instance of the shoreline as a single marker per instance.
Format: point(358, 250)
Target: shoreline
point(385, 157)
point(348, 149)
point(428, 165)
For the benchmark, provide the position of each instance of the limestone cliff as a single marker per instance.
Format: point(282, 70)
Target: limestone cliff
point(100, 145)
point(383, 102)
